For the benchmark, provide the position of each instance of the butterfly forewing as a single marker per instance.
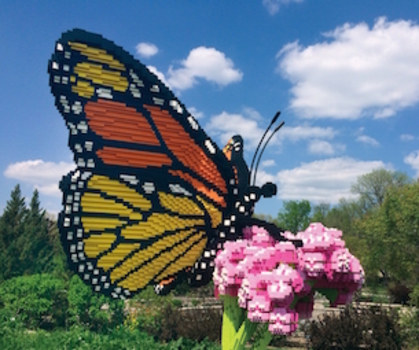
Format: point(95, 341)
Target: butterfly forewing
point(150, 186)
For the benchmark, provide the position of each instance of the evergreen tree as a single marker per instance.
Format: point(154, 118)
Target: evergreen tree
point(11, 232)
point(59, 261)
point(35, 249)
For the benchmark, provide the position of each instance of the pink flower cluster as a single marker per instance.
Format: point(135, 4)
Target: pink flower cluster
point(275, 281)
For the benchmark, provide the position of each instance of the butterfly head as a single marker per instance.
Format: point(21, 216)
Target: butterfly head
point(234, 148)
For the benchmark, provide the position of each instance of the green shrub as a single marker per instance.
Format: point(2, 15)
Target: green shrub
point(120, 338)
point(177, 303)
point(189, 344)
point(163, 319)
point(9, 324)
point(38, 301)
point(181, 289)
point(356, 328)
point(91, 310)
point(409, 323)
point(414, 296)
point(151, 317)
point(399, 293)
point(196, 324)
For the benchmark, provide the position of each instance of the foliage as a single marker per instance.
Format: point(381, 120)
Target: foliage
point(58, 264)
point(399, 293)
point(161, 317)
point(197, 324)
point(12, 225)
point(414, 296)
point(35, 252)
point(373, 187)
point(392, 236)
point(91, 310)
point(319, 212)
point(79, 338)
point(29, 241)
point(295, 216)
point(356, 328)
point(36, 301)
point(39, 302)
point(264, 217)
point(409, 323)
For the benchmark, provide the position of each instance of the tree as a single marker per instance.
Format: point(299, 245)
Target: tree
point(35, 249)
point(11, 231)
point(344, 217)
point(295, 216)
point(373, 187)
point(264, 217)
point(392, 234)
point(320, 212)
point(29, 240)
point(59, 259)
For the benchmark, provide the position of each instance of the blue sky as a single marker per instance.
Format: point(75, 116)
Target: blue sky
point(345, 75)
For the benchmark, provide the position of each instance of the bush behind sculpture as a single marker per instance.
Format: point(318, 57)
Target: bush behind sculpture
point(47, 302)
point(356, 328)
point(38, 301)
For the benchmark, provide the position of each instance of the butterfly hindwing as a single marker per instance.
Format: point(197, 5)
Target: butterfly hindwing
point(122, 236)
point(150, 188)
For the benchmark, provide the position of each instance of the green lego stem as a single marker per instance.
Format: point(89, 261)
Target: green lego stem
point(243, 335)
point(233, 317)
point(264, 339)
point(237, 328)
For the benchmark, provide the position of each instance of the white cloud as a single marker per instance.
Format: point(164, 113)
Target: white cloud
point(197, 114)
point(146, 49)
point(252, 113)
point(356, 71)
point(322, 147)
point(368, 140)
point(205, 63)
point(159, 75)
point(267, 163)
point(407, 137)
point(413, 160)
point(44, 176)
point(263, 177)
point(303, 132)
point(324, 180)
point(273, 5)
point(225, 125)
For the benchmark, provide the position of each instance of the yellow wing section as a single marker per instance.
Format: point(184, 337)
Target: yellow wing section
point(99, 68)
point(132, 241)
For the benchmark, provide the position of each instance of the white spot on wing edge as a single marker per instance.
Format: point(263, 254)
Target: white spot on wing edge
point(209, 146)
point(193, 122)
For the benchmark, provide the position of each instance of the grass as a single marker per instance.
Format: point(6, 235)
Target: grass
point(78, 338)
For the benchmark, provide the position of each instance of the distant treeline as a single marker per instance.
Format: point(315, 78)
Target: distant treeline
point(380, 227)
point(29, 240)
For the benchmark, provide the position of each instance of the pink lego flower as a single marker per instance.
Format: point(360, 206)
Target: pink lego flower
point(275, 281)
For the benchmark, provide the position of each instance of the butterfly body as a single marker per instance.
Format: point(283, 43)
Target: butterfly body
point(153, 197)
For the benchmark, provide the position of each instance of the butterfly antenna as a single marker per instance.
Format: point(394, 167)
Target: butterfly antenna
point(274, 119)
point(263, 149)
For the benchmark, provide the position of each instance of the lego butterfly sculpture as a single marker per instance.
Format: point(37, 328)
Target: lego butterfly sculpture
point(153, 197)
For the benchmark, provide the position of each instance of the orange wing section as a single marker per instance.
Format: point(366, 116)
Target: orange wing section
point(200, 187)
point(132, 158)
point(115, 121)
point(185, 149)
